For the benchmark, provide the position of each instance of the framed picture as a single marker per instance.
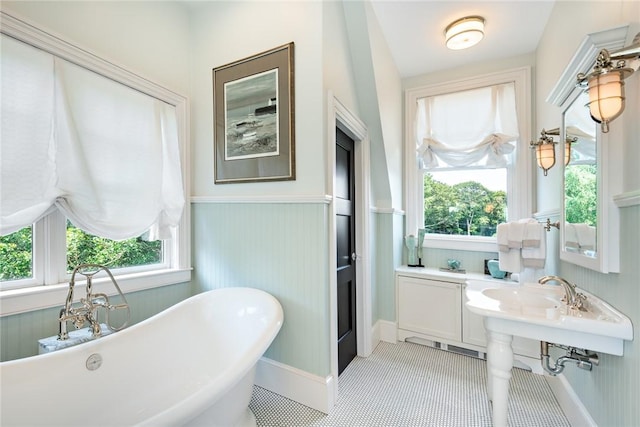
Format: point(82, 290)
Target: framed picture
point(253, 109)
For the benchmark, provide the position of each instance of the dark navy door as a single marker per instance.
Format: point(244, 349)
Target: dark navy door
point(345, 245)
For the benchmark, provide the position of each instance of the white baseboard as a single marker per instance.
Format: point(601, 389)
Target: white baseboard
point(569, 401)
point(387, 331)
point(310, 390)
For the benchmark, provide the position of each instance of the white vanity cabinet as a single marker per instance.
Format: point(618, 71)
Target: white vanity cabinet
point(431, 306)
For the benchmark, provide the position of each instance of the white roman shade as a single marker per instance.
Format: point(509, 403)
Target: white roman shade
point(106, 155)
point(472, 128)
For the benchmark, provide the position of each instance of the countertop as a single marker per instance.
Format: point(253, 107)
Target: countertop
point(448, 276)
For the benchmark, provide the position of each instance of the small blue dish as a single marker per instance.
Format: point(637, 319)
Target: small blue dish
point(494, 269)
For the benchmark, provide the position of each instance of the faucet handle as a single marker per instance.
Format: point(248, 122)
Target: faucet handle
point(579, 302)
point(79, 320)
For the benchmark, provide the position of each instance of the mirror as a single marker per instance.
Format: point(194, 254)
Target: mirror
point(590, 223)
point(579, 149)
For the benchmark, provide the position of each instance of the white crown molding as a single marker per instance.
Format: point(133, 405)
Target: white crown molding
point(583, 60)
point(625, 200)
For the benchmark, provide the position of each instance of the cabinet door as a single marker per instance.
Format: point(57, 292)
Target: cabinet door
point(473, 331)
point(430, 307)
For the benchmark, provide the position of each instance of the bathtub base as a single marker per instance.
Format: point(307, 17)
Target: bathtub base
point(232, 410)
point(249, 419)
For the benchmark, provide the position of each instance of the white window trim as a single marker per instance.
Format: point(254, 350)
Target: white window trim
point(177, 266)
point(520, 189)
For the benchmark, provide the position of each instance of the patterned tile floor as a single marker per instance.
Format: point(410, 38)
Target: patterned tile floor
point(407, 385)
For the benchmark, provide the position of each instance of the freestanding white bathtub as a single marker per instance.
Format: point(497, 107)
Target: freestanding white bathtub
point(192, 364)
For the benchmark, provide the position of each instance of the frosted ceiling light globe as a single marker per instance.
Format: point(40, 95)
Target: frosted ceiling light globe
point(464, 32)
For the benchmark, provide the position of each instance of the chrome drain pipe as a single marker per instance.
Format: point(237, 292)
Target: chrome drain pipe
point(584, 359)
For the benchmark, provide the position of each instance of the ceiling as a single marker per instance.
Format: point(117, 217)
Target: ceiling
point(414, 30)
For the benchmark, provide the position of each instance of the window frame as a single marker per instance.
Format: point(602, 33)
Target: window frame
point(48, 286)
point(519, 174)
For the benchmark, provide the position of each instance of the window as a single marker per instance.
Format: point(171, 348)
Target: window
point(469, 202)
point(16, 255)
point(467, 157)
point(86, 131)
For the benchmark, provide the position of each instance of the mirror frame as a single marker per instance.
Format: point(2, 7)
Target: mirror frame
point(608, 154)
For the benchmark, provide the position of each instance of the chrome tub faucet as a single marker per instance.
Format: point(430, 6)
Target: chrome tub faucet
point(572, 298)
point(87, 311)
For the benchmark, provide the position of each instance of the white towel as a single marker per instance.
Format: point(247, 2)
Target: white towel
point(533, 234)
point(535, 257)
point(510, 260)
point(516, 233)
point(502, 236)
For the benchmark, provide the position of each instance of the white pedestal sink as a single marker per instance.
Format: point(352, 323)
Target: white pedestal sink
point(536, 311)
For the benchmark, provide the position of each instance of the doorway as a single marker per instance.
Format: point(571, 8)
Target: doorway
point(346, 256)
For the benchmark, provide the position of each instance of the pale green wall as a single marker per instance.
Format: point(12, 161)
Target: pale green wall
point(388, 255)
point(611, 391)
point(281, 248)
point(19, 333)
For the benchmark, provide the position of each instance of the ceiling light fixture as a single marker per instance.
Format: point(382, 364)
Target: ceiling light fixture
point(464, 32)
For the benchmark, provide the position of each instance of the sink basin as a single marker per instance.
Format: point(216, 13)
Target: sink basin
point(538, 312)
point(525, 301)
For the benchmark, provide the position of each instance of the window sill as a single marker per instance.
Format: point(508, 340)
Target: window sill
point(22, 300)
point(461, 243)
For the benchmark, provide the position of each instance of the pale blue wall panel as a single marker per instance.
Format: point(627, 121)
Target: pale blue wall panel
point(373, 266)
point(472, 262)
point(388, 251)
point(281, 248)
point(611, 391)
point(20, 332)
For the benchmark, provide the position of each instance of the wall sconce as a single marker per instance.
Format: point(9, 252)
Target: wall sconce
point(605, 83)
point(545, 149)
point(464, 32)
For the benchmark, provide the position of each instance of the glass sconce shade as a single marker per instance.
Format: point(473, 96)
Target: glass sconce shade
point(567, 152)
point(464, 32)
point(546, 156)
point(606, 97)
point(605, 83)
point(546, 150)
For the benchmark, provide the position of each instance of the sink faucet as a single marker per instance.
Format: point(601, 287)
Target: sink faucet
point(572, 298)
point(88, 311)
